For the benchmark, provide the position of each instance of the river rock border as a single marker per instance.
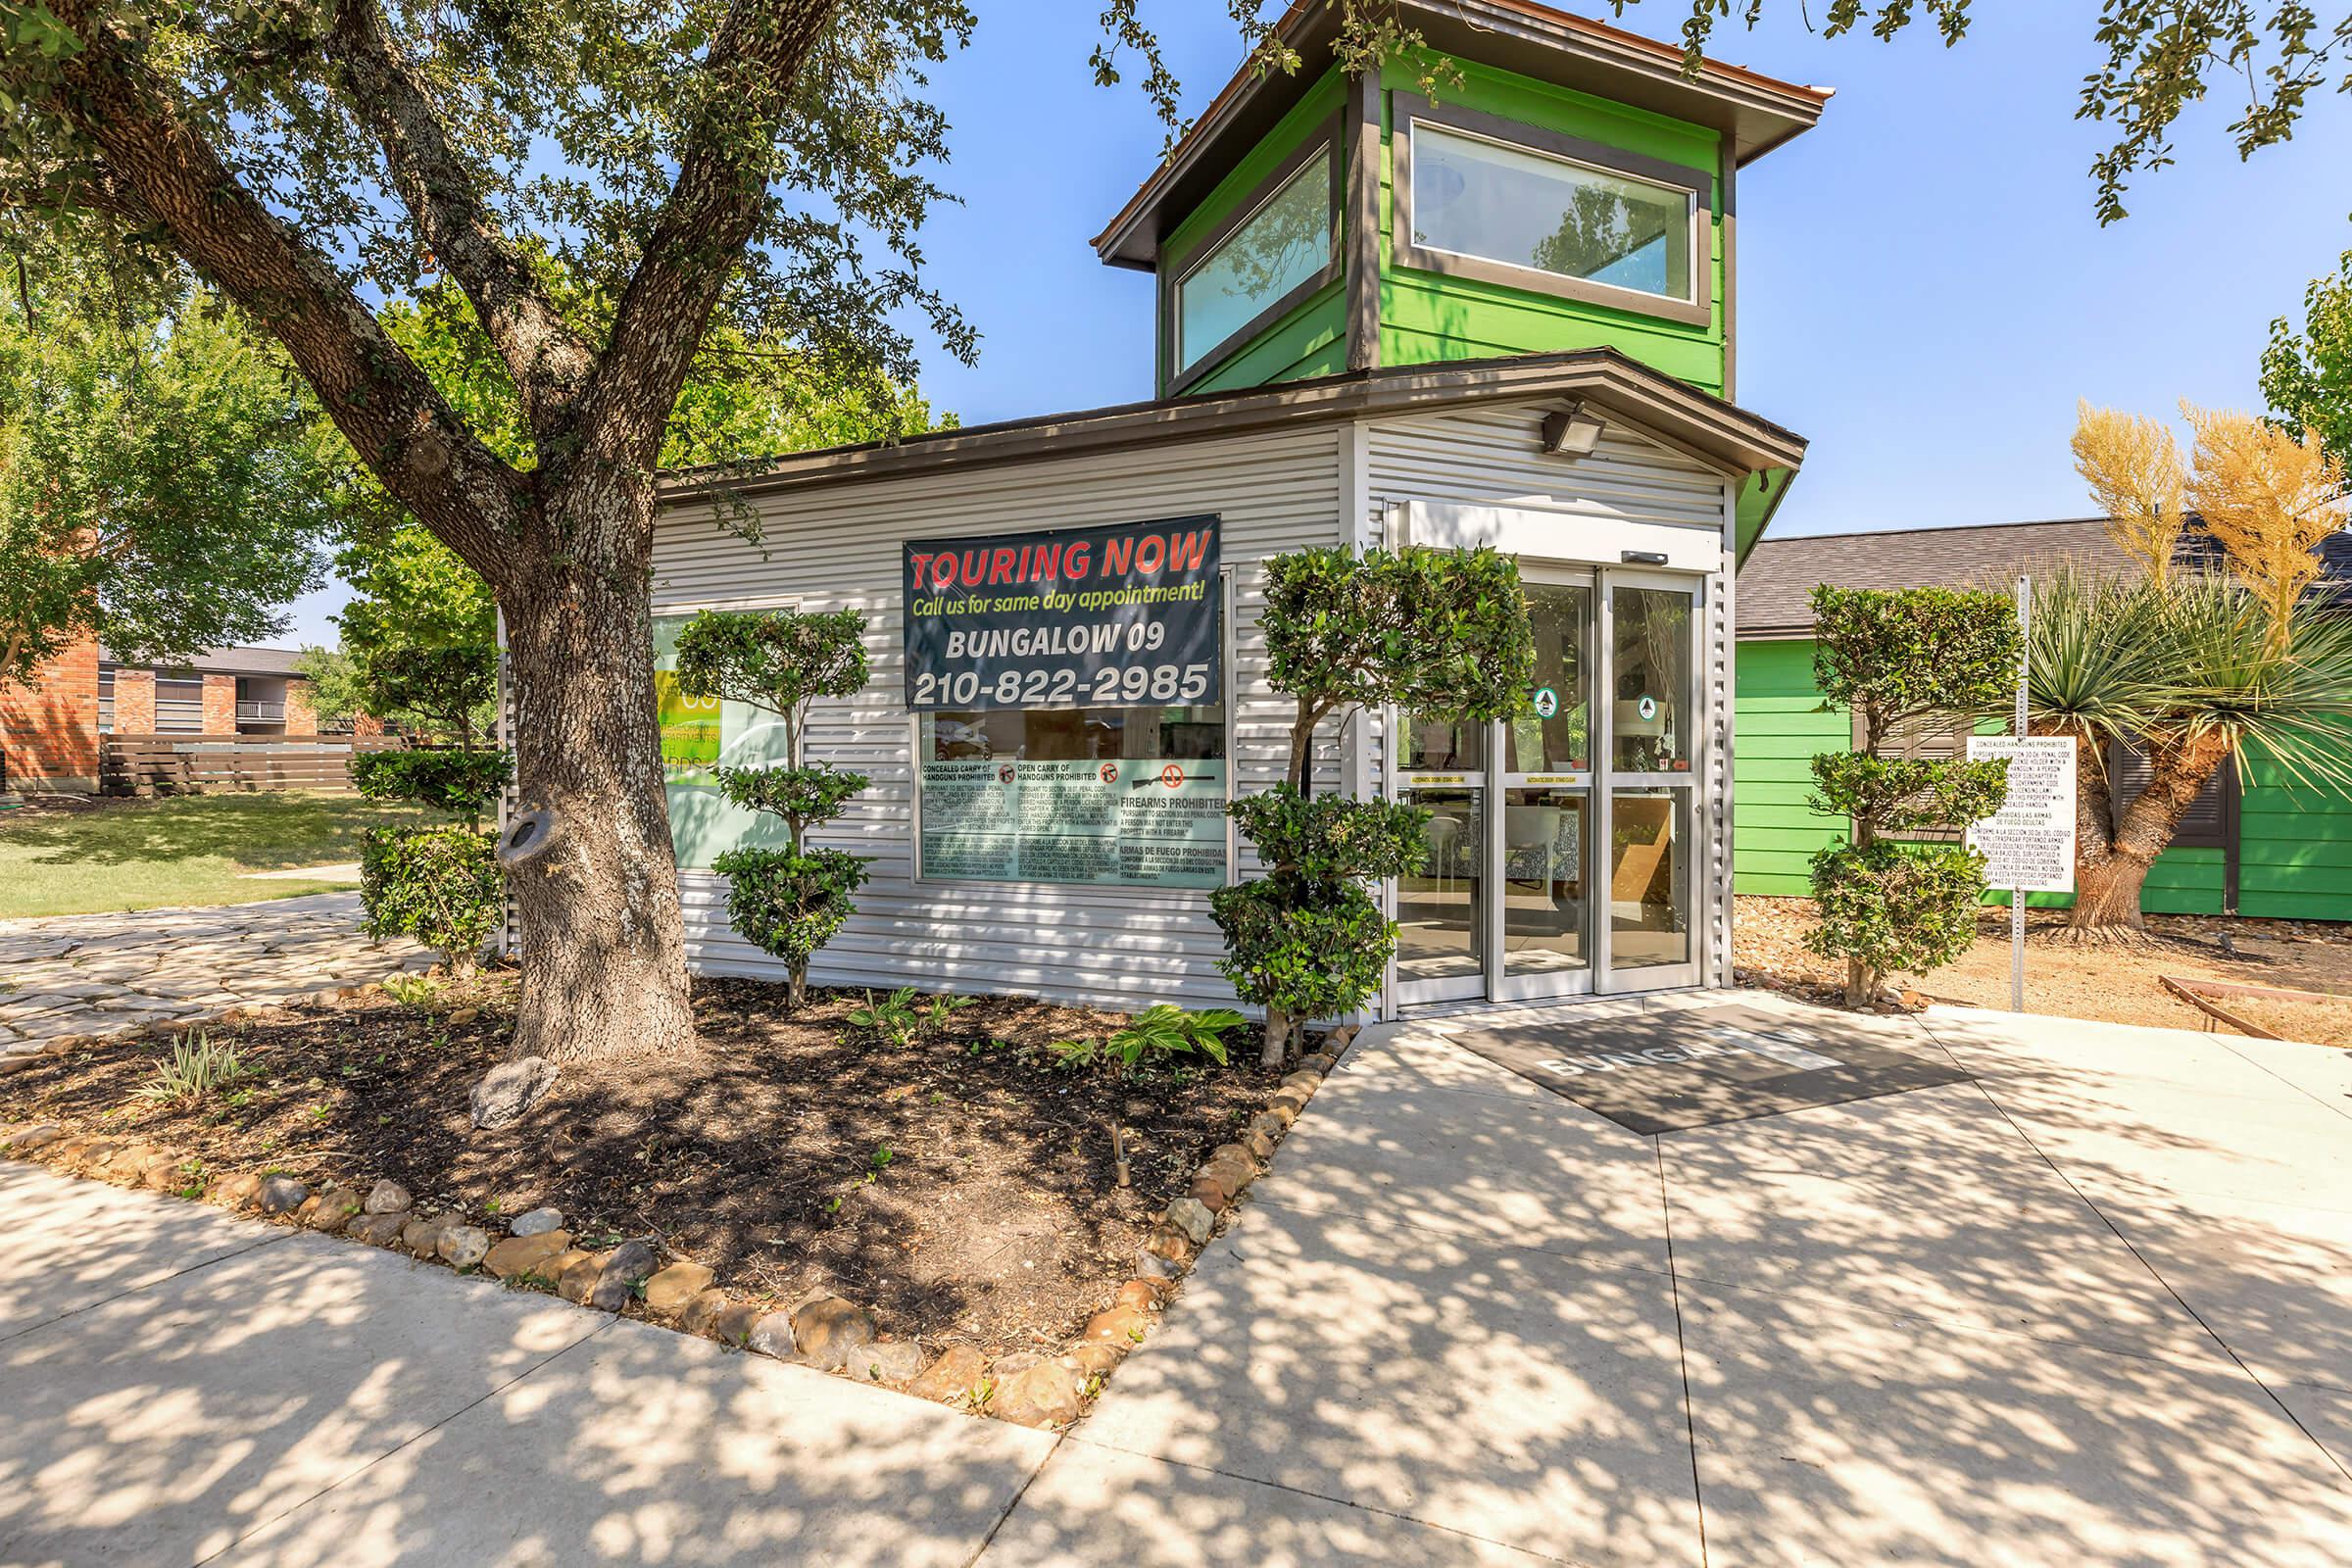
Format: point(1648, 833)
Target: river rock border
point(824, 1332)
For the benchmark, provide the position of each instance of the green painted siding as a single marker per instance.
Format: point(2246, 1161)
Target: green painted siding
point(2294, 850)
point(1303, 343)
point(2295, 842)
point(1425, 317)
point(1778, 727)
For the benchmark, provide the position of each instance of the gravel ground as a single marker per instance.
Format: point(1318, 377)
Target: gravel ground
point(2119, 984)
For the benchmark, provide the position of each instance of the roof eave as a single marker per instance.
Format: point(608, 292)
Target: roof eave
point(1758, 113)
point(1726, 439)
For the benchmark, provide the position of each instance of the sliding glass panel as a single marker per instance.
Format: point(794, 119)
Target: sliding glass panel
point(1556, 735)
point(1545, 851)
point(1440, 910)
point(1649, 877)
point(1650, 674)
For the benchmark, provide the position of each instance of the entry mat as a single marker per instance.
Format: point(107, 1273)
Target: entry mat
point(1667, 1071)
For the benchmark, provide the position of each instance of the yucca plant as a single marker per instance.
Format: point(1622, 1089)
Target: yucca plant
point(2192, 673)
point(197, 1067)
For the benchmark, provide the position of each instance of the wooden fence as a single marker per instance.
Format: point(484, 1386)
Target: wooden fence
point(149, 764)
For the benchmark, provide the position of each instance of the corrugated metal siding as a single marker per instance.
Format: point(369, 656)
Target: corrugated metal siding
point(839, 548)
point(1493, 456)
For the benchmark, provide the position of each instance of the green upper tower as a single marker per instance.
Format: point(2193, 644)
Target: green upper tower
point(1566, 186)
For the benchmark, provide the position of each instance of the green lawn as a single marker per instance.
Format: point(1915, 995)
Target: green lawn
point(181, 850)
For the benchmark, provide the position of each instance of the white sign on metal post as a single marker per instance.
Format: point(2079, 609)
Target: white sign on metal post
point(2029, 844)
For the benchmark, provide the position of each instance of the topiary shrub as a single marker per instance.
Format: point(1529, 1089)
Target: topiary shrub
point(461, 783)
point(1442, 633)
point(787, 902)
point(440, 885)
point(1896, 657)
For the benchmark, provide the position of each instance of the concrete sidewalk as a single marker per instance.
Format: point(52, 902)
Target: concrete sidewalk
point(177, 1386)
point(2090, 1304)
point(96, 974)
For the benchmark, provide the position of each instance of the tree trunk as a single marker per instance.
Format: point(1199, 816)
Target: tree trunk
point(1862, 983)
point(604, 952)
point(2109, 877)
point(1278, 1039)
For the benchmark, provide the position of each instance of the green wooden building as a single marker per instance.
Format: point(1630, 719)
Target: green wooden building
point(2265, 847)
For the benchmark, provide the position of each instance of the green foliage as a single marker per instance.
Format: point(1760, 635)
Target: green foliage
point(198, 1067)
point(1329, 837)
point(162, 485)
point(803, 794)
point(1442, 633)
point(461, 783)
point(1164, 1031)
point(1904, 794)
point(1894, 655)
point(1307, 949)
point(896, 1017)
point(1895, 906)
point(2171, 665)
point(779, 660)
point(790, 902)
point(2307, 375)
point(440, 885)
point(334, 684)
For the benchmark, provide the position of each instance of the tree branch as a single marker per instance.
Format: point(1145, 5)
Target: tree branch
point(549, 360)
point(713, 209)
point(382, 403)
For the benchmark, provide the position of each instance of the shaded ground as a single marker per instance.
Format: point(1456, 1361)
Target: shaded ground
point(65, 855)
point(962, 1186)
point(2082, 1309)
point(2116, 984)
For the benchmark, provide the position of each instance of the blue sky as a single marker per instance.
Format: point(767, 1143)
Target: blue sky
point(1923, 291)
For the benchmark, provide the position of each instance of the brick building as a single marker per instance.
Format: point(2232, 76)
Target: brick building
point(50, 730)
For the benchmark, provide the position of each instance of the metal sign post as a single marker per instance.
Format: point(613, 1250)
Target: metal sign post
point(2029, 844)
point(2017, 896)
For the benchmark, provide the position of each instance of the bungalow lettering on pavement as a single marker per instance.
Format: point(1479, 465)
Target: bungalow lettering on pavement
point(1726, 1042)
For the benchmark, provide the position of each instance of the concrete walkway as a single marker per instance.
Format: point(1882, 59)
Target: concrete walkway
point(2090, 1304)
point(86, 974)
point(177, 1386)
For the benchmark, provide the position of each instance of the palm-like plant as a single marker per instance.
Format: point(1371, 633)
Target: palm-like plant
point(2188, 672)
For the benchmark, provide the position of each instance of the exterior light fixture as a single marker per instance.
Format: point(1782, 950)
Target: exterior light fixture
point(1642, 558)
point(1572, 432)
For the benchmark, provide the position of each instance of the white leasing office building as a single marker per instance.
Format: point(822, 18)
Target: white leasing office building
point(1343, 266)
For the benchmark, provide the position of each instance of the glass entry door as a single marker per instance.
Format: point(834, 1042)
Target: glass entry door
point(1557, 858)
point(1650, 627)
point(1443, 945)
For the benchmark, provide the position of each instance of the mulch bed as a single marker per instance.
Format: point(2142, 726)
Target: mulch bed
point(962, 1187)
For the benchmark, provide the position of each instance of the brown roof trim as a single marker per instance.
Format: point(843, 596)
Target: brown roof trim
point(1758, 113)
point(1632, 394)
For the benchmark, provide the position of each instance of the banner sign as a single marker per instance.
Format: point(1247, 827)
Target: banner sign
point(2029, 844)
point(1156, 823)
point(1123, 616)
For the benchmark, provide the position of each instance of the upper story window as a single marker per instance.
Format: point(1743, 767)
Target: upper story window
point(1511, 204)
point(1281, 245)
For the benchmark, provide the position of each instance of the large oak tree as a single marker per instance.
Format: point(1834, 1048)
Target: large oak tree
point(755, 162)
point(758, 163)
